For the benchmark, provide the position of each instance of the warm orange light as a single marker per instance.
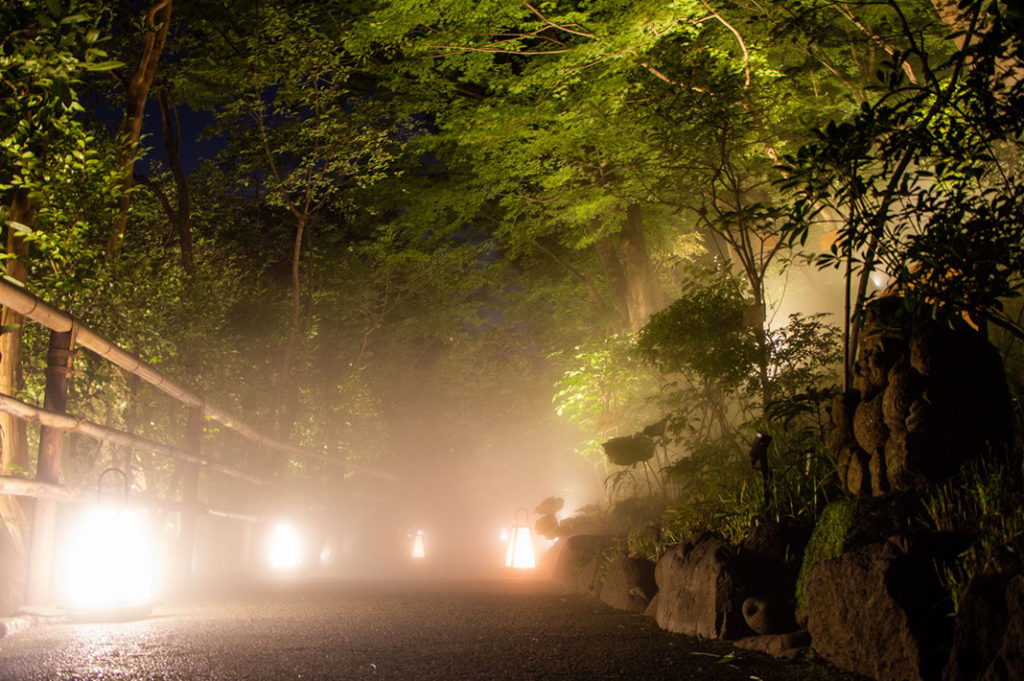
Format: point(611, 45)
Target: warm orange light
point(418, 550)
point(520, 546)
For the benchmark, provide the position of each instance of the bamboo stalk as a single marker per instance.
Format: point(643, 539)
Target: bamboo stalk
point(23, 487)
point(73, 424)
point(28, 305)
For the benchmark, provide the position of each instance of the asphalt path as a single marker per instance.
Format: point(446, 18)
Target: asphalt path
point(385, 631)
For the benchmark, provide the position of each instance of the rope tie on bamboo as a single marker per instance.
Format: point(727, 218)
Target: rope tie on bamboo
point(60, 360)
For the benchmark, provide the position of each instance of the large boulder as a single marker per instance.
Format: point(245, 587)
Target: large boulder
point(700, 589)
point(579, 562)
point(845, 526)
point(989, 640)
point(880, 612)
point(629, 584)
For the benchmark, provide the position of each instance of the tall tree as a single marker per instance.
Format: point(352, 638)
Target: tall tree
point(152, 29)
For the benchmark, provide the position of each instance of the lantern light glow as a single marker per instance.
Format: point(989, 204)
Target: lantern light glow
point(520, 546)
point(109, 562)
point(284, 551)
point(418, 549)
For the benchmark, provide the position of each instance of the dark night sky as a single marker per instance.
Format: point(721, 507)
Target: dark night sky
point(193, 149)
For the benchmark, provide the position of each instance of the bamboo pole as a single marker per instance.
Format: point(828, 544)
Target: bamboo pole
point(28, 305)
point(48, 469)
point(24, 487)
point(73, 424)
point(190, 495)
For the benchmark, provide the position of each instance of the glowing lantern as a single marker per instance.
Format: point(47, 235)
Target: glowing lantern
point(109, 565)
point(284, 551)
point(520, 545)
point(418, 550)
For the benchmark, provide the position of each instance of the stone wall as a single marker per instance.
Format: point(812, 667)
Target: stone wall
point(924, 401)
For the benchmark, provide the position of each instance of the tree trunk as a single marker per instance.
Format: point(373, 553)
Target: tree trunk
point(950, 14)
point(172, 144)
point(293, 321)
point(13, 434)
point(959, 24)
point(642, 290)
point(613, 272)
point(158, 20)
point(763, 351)
point(289, 404)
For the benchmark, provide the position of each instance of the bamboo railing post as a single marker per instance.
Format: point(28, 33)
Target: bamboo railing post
point(48, 469)
point(190, 492)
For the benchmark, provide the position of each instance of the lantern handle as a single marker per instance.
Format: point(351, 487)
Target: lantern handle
point(525, 513)
point(99, 483)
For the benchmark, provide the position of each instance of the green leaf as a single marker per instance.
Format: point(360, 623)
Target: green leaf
point(19, 227)
point(109, 65)
point(14, 282)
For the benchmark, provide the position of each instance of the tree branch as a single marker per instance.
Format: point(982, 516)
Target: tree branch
point(560, 27)
point(739, 38)
point(874, 37)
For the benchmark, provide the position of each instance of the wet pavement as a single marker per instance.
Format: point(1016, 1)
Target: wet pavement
point(393, 631)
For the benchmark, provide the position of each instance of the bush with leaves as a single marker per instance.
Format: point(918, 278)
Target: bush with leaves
point(925, 181)
point(713, 403)
point(603, 391)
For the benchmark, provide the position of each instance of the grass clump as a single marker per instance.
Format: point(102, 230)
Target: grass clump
point(982, 510)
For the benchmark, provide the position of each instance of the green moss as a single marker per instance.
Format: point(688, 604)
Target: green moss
point(851, 524)
point(831, 537)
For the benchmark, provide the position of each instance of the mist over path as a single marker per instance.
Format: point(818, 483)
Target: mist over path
point(395, 631)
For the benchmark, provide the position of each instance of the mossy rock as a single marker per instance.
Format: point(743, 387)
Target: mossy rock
point(848, 525)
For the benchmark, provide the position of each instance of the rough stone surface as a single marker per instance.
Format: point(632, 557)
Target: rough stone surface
point(770, 557)
point(652, 607)
point(765, 616)
point(989, 640)
point(924, 402)
point(848, 525)
point(629, 584)
point(788, 645)
point(700, 590)
point(879, 612)
point(547, 564)
point(579, 562)
point(869, 426)
point(771, 551)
